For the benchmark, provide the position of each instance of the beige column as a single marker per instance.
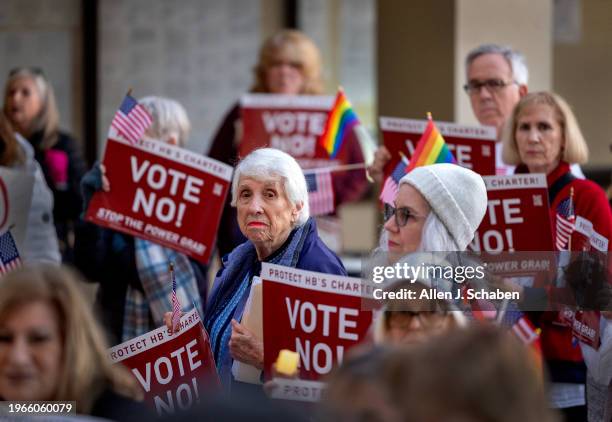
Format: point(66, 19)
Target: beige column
point(583, 76)
point(415, 58)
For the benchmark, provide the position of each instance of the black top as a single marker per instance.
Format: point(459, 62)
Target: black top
point(113, 406)
point(63, 166)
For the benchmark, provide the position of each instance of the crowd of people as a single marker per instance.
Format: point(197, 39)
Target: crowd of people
point(424, 360)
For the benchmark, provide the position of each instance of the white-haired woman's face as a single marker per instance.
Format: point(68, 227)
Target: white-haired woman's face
point(30, 353)
point(539, 138)
point(405, 226)
point(265, 214)
point(23, 102)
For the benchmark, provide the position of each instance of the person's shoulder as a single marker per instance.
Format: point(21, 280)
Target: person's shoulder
point(233, 113)
point(588, 187)
point(316, 256)
point(65, 141)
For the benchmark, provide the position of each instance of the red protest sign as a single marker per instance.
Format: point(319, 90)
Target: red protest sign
point(585, 327)
point(517, 217)
point(317, 315)
point(162, 193)
point(472, 146)
point(585, 238)
point(173, 370)
point(290, 123)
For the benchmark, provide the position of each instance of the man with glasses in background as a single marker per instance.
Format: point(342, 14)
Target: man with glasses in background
point(497, 79)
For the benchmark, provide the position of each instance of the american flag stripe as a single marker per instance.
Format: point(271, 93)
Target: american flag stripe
point(320, 193)
point(9, 255)
point(565, 224)
point(389, 191)
point(10, 266)
point(131, 120)
point(132, 127)
point(131, 123)
point(524, 330)
point(176, 310)
point(124, 126)
point(391, 186)
point(176, 305)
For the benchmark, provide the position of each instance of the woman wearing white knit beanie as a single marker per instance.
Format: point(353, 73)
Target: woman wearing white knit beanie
point(438, 208)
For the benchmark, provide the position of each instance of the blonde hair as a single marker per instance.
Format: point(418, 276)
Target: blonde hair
point(10, 152)
point(575, 149)
point(295, 47)
point(86, 369)
point(47, 120)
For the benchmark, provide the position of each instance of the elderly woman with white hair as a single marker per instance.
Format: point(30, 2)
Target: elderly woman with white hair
point(134, 291)
point(270, 194)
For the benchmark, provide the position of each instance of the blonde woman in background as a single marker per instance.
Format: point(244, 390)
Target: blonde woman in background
point(289, 64)
point(30, 107)
point(51, 348)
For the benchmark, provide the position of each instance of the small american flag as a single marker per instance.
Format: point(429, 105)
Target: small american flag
point(176, 305)
point(391, 186)
point(525, 330)
point(131, 120)
point(9, 256)
point(566, 222)
point(320, 192)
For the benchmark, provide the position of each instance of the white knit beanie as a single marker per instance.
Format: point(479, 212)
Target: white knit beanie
point(457, 195)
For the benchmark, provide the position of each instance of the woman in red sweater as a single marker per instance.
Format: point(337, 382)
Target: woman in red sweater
point(543, 136)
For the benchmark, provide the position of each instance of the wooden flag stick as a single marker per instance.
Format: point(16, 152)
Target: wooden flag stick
point(345, 167)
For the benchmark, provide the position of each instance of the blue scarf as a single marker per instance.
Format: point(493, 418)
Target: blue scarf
point(239, 268)
point(144, 310)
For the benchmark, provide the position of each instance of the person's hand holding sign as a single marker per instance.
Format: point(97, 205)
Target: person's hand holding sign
point(93, 181)
point(168, 322)
point(105, 182)
point(245, 347)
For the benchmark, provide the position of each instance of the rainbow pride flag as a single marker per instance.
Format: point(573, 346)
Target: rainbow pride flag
point(431, 148)
point(340, 122)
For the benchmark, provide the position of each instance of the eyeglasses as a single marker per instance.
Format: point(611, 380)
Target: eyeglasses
point(492, 85)
point(403, 319)
point(402, 214)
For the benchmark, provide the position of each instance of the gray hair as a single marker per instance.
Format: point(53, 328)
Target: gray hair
point(266, 163)
point(516, 60)
point(435, 237)
point(169, 119)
